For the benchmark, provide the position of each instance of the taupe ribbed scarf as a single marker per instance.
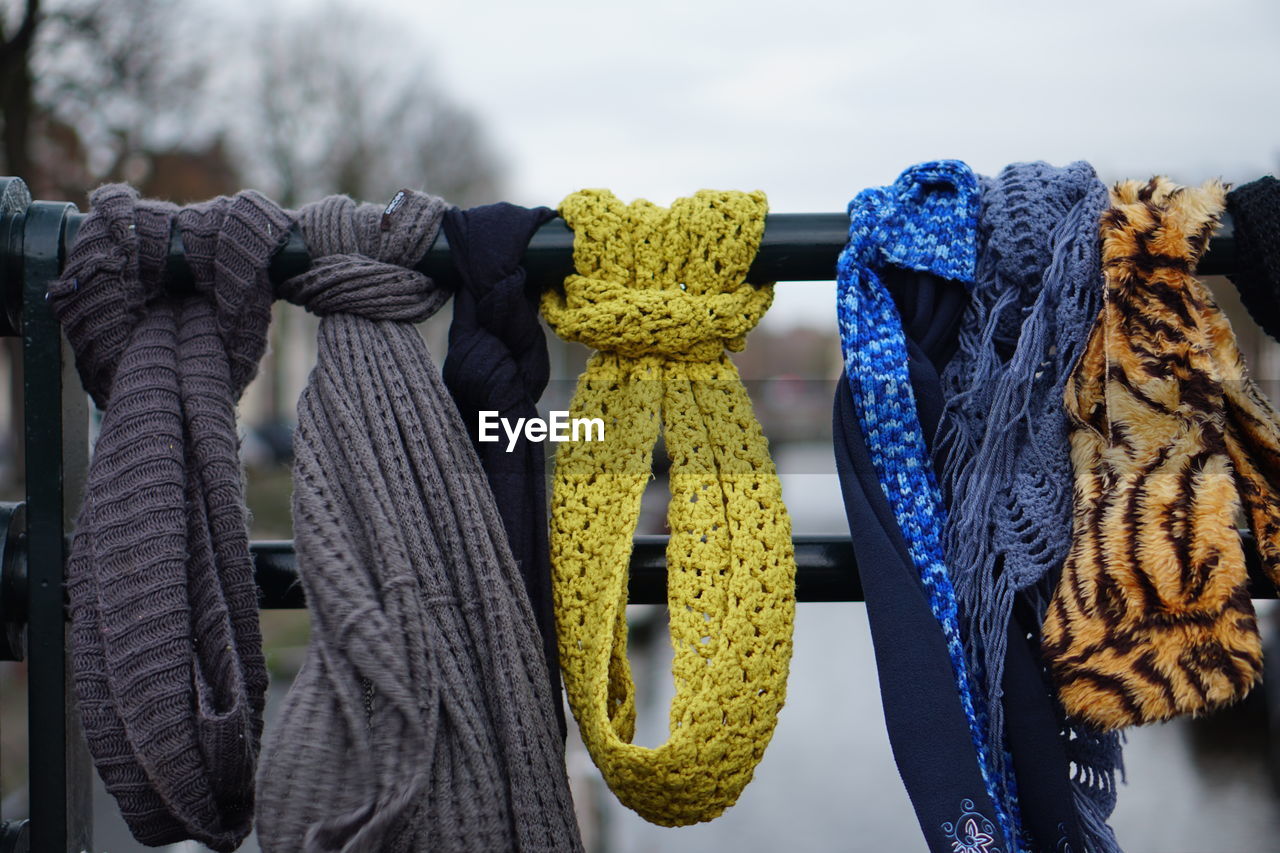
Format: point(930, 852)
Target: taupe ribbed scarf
point(421, 718)
point(165, 649)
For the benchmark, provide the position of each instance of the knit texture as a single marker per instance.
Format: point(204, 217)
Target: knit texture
point(420, 719)
point(1007, 474)
point(165, 648)
point(662, 293)
point(1255, 214)
point(1170, 441)
point(927, 220)
point(930, 737)
point(497, 362)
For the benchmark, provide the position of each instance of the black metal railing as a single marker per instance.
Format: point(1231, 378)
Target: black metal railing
point(34, 238)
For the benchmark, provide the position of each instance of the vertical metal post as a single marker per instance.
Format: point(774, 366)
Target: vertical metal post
point(57, 457)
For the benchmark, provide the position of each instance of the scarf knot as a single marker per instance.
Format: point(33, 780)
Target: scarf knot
point(497, 349)
point(118, 276)
point(923, 221)
point(363, 258)
point(665, 283)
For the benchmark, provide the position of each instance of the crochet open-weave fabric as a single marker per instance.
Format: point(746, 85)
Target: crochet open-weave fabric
point(421, 718)
point(1007, 473)
point(1170, 440)
point(661, 294)
point(926, 220)
point(165, 648)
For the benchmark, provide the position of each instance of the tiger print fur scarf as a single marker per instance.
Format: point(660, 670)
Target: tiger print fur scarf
point(1170, 440)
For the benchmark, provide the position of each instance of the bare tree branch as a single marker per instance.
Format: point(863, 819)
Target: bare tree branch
point(330, 115)
point(16, 99)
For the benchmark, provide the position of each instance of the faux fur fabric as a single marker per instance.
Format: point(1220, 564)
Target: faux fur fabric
point(1170, 441)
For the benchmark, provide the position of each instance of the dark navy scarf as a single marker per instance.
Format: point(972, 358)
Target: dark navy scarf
point(901, 295)
point(497, 361)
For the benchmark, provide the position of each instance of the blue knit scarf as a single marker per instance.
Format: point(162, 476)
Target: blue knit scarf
point(926, 221)
point(1007, 473)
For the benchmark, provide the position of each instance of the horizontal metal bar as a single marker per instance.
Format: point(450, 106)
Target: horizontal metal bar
point(825, 571)
point(825, 564)
point(795, 247)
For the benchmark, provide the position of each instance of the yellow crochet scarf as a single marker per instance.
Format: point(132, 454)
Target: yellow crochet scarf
point(661, 294)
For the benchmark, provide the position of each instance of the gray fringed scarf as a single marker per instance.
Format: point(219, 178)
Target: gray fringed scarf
point(1008, 470)
point(421, 718)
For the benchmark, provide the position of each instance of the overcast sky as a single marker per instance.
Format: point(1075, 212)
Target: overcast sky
point(811, 101)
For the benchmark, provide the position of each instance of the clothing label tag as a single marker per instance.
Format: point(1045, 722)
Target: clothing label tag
point(396, 201)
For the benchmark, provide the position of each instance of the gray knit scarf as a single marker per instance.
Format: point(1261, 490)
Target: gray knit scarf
point(421, 718)
point(165, 649)
point(1008, 468)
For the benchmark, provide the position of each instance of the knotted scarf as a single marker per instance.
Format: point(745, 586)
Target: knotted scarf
point(924, 221)
point(498, 363)
point(1007, 473)
point(1255, 215)
point(1170, 439)
point(420, 719)
point(661, 294)
point(165, 648)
